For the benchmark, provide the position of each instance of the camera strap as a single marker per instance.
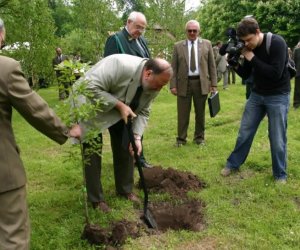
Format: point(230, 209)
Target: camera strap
point(290, 62)
point(268, 42)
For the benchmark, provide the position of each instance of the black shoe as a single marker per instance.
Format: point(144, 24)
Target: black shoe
point(146, 165)
point(102, 206)
point(178, 144)
point(200, 142)
point(131, 197)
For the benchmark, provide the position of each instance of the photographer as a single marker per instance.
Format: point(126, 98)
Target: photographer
point(270, 96)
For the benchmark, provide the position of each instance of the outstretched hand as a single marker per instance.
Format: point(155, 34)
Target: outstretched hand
point(75, 131)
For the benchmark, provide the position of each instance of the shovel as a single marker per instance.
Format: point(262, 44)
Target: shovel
point(148, 217)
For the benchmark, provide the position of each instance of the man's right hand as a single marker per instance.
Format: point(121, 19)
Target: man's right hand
point(125, 111)
point(174, 91)
point(75, 131)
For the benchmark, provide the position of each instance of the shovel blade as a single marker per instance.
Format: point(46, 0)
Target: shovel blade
point(149, 219)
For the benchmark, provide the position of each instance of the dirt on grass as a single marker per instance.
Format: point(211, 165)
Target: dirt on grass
point(179, 214)
point(171, 181)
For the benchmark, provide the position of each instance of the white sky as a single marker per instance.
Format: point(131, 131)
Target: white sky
point(191, 4)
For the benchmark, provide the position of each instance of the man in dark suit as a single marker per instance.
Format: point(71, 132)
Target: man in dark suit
point(130, 41)
point(63, 86)
point(194, 77)
point(296, 57)
point(16, 93)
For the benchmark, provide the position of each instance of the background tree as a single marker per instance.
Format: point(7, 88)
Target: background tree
point(163, 29)
point(62, 14)
point(82, 26)
point(31, 22)
point(95, 19)
point(127, 6)
point(277, 16)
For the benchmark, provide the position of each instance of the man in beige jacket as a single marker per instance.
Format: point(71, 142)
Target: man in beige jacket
point(194, 77)
point(16, 93)
point(116, 80)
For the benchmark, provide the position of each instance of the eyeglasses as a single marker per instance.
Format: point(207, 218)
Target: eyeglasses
point(192, 31)
point(140, 28)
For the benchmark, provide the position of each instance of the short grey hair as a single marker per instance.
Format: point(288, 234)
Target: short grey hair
point(133, 16)
point(194, 22)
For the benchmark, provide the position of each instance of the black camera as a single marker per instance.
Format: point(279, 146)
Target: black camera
point(233, 47)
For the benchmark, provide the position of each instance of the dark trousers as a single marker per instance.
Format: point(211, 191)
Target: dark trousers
point(232, 73)
point(184, 104)
point(122, 162)
point(296, 101)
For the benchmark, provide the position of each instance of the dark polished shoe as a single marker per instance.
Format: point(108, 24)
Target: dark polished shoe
point(146, 165)
point(132, 197)
point(102, 206)
point(200, 142)
point(179, 144)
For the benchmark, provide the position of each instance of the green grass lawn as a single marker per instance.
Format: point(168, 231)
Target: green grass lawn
point(243, 211)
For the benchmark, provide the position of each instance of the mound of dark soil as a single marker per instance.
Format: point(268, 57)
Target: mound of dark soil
point(187, 215)
point(171, 181)
point(115, 235)
point(179, 214)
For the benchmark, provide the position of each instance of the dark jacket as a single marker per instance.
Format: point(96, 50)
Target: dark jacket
point(126, 45)
point(270, 74)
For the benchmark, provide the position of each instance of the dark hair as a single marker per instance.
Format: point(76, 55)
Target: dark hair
point(247, 26)
point(156, 66)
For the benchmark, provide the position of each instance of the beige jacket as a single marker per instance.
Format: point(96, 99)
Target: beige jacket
point(16, 93)
point(206, 62)
point(114, 78)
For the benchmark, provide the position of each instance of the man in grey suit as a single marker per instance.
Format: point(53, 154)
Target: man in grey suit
point(117, 80)
point(194, 77)
point(16, 93)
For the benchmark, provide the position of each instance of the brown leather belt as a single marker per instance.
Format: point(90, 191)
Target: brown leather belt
point(193, 77)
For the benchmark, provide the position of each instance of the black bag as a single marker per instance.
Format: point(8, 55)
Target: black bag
point(290, 63)
point(214, 104)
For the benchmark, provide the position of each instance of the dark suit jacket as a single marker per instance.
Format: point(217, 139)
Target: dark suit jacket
point(56, 60)
point(206, 62)
point(16, 93)
point(296, 57)
point(128, 44)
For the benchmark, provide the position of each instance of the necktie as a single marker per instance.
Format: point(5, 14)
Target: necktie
point(192, 59)
point(136, 99)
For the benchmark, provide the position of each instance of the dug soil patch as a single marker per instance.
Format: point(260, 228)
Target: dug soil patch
point(176, 183)
point(178, 214)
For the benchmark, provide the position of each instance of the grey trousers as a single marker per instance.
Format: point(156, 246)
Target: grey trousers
point(14, 220)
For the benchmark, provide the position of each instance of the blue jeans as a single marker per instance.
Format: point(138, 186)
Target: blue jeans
point(276, 108)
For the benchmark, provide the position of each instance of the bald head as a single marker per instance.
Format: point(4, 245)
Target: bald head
point(158, 65)
point(156, 74)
